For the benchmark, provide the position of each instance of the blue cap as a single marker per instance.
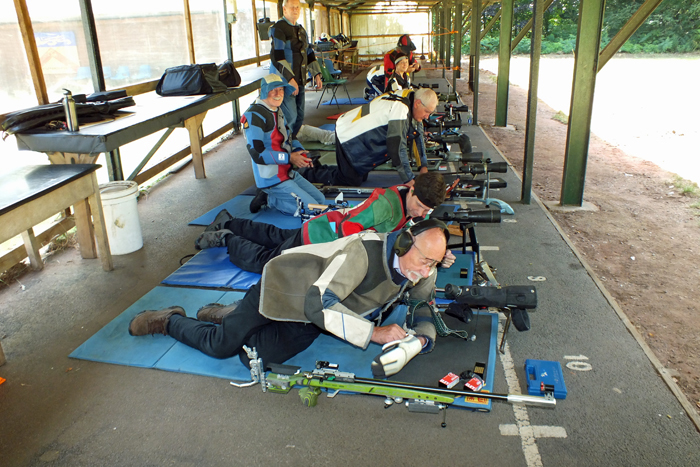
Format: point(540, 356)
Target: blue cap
point(272, 81)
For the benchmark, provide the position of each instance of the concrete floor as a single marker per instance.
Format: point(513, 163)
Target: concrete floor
point(59, 411)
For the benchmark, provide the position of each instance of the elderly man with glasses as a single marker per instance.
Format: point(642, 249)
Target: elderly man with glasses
point(344, 288)
point(390, 128)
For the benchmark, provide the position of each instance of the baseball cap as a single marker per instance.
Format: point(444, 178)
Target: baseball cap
point(272, 81)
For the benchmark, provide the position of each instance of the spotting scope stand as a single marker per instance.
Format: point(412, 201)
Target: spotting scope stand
point(488, 168)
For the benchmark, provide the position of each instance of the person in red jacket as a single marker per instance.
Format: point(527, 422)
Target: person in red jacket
point(406, 47)
point(252, 244)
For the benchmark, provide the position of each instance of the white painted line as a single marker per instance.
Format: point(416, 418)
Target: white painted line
point(538, 431)
point(522, 420)
point(575, 357)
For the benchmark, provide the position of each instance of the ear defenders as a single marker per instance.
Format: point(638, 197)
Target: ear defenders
point(404, 241)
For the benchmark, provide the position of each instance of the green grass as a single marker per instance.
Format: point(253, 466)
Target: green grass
point(686, 188)
point(561, 117)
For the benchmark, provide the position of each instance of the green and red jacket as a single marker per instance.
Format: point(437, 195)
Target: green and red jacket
point(384, 211)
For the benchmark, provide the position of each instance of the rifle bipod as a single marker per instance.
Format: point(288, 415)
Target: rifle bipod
point(417, 398)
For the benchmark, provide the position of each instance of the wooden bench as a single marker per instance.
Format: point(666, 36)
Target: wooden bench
point(32, 194)
point(152, 113)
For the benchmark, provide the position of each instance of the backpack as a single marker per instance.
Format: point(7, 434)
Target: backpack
point(229, 75)
point(190, 80)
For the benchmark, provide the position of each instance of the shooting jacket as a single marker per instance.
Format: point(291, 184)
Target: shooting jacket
point(389, 65)
point(291, 54)
point(337, 285)
point(269, 144)
point(382, 130)
point(398, 83)
point(384, 211)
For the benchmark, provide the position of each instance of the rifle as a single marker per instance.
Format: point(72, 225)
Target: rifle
point(312, 210)
point(484, 168)
point(418, 398)
point(488, 168)
point(465, 145)
point(473, 188)
point(349, 191)
point(451, 156)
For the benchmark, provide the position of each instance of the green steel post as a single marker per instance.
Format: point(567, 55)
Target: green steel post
point(448, 39)
point(431, 28)
point(458, 45)
point(475, 45)
point(443, 38)
point(579, 129)
point(530, 122)
point(504, 62)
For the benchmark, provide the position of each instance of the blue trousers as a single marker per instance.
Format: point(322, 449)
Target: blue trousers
point(293, 109)
point(280, 196)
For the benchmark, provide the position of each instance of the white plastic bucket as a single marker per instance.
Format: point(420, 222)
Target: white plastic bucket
point(121, 216)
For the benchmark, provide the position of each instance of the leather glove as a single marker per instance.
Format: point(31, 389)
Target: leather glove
point(395, 355)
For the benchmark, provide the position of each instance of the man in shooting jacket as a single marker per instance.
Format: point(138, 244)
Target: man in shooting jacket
point(342, 288)
point(389, 128)
point(252, 244)
point(291, 57)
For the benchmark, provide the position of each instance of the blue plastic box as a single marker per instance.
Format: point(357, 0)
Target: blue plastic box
point(547, 372)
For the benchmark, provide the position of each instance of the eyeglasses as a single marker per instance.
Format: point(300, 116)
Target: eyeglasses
point(430, 112)
point(427, 262)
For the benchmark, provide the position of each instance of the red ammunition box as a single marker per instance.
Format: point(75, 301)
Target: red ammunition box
point(449, 381)
point(474, 384)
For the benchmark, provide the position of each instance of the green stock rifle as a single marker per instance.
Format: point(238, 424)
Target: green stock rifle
point(417, 398)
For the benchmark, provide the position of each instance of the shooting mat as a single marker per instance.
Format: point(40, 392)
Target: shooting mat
point(113, 344)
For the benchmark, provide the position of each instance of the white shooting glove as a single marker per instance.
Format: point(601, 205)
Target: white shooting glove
point(395, 355)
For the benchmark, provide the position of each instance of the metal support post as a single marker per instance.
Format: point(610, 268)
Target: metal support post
point(456, 74)
point(579, 129)
point(530, 122)
point(504, 62)
point(475, 45)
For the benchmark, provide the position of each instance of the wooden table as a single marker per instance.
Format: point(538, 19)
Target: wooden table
point(32, 194)
point(354, 57)
point(151, 113)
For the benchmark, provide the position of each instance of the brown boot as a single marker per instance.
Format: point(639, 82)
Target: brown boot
point(153, 321)
point(215, 312)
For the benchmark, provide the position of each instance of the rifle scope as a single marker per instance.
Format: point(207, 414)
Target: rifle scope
point(476, 169)
point(486, 216)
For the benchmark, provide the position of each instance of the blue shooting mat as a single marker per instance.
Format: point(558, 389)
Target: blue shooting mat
point(113, 344)
point(240, 207)
point(212, 268)
point(345, 101)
